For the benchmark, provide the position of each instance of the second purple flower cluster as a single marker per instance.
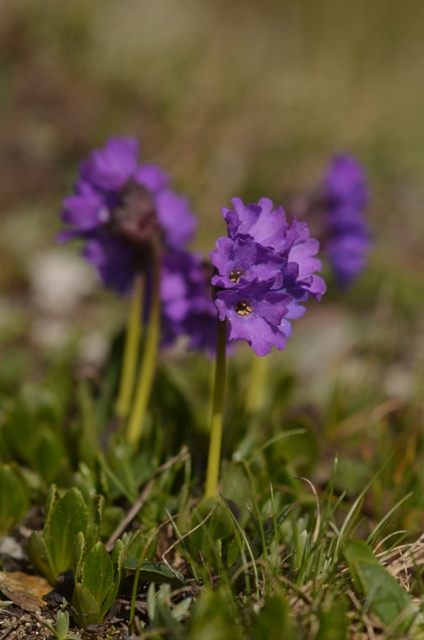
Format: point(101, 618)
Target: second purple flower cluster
point(122, 210)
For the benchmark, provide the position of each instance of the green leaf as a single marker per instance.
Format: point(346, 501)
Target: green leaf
point(67, 517)
point(158, 609)
point(112, 517)
point(272, 622)
point(206, 537)
point(48, 454)
point(80, 550)
point(215, 616)
point(386, 597)
point(332, 620)
point(118, 555)
point(86, 607)
point(300, 548)
point(136, 545)
point(97, 573)
point(234, 551)
point(52, 496)
point(269, 528)
point(39, 556)
point(220, 524)
point(236, 487)
point(13, 498)
point(95, 521)
point(157, 572)
point(34, 408)
point(62, 624)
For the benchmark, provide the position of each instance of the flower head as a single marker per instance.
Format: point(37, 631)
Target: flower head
point(345, 182)
point(124, 210)
point(263, 270)
point(346, 195)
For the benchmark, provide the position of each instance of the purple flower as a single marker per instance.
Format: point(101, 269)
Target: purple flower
point(85, 209)
point(275, 240)
point(110, 168)
point(263, 270)
point(241, 260)
point(303, 254)
point(113, 259)
point(346, 195)
point(345, 182)
point(258, 221)
point(187, 305)
point(254, 313)
point(124, 211)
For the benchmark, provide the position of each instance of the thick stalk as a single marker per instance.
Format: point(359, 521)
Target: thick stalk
point(212, 474)
point(148, 363)
point(131, 348)
point(257, 384)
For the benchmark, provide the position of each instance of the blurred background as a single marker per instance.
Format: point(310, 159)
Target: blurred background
point(242, 98)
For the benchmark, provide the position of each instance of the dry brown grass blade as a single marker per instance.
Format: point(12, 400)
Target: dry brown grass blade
point(181, 457)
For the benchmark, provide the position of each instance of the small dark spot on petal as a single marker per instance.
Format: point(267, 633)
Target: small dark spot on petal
point(235, 274)
point(243, 308)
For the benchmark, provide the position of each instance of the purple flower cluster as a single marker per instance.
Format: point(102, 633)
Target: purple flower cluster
point(346, 195)
point(264, 268)
point(123, 210)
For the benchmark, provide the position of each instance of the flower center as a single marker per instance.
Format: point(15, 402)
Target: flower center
point(243, 308)
point(104, 215)
point(135, 219)
point(235, 274)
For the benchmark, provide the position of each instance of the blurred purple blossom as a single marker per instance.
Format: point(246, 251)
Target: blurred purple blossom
point(187, 305)
point(123, 210)
point(346, 194)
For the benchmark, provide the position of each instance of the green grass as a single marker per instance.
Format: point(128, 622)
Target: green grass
point(246, 571)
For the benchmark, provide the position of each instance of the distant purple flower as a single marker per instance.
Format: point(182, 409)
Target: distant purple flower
point(346, 195)
point(110, 168)
point(345, 182)
point(263, 270)
point(187, 305)
point(123, 211)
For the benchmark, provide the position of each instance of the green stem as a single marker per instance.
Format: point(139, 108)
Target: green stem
point(132, 344)
point(217, 412)
point(148, 363)
point(257, 384)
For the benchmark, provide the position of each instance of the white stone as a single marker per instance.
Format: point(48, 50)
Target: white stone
point(59, 281)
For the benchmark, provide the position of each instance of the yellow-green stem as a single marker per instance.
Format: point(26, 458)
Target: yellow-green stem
point(212, 473)
point(132, 344)
point(257, 384)
point(148, 363)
